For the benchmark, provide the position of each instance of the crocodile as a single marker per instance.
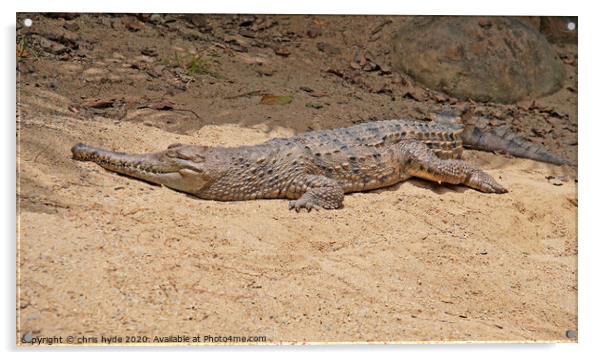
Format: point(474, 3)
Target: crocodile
point(315, 169)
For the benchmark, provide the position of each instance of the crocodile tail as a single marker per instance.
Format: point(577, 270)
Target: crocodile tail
point(503, 140)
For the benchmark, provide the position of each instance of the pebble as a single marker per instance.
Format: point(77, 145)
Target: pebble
point(282, 51)
point(71, 26)
point(156, 19)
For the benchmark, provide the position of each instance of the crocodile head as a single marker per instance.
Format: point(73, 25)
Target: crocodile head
point(180, 167)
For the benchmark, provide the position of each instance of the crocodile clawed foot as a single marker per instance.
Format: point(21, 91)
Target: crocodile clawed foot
point(303, 204)
point(485, 183)
point(496, 188)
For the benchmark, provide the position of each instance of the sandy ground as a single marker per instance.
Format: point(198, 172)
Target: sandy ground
point(102, 254)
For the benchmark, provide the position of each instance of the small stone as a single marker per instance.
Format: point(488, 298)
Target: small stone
point(375, 37)
point(247, 33)
point(313, 32)
point(381, 61)
point(71, 26)
point(440, 97)
point(282, 51)
point(197, 20)
point(370, 66)
point(237, 43)
point(156, 19)
point(328, 48)
point(51, 46)
point(247, 21)
point(149, 52)
point(265, 71)
point(156, 71)
point(238, 47)
point(132, 24)
point(385, 68)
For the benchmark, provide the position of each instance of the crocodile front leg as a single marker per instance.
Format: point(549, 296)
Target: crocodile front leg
point(316, 192)
point(420, 161)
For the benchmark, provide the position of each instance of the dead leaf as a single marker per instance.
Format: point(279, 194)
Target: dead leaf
point(161, 105)
point(276, 100)
point(22, 52)
point(253, 60)
point(99, 103)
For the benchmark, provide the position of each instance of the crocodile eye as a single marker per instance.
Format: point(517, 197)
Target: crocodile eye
point(194, 157)
point(184, 155)
point(171, 153)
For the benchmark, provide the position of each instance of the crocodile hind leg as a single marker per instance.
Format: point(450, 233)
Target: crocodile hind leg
point(420, 161)
point(315, 192)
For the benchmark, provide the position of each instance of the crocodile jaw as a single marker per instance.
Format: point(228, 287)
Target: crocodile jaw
point(156, 168)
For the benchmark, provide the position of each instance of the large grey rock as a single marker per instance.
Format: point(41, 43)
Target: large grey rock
point(499, 59)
